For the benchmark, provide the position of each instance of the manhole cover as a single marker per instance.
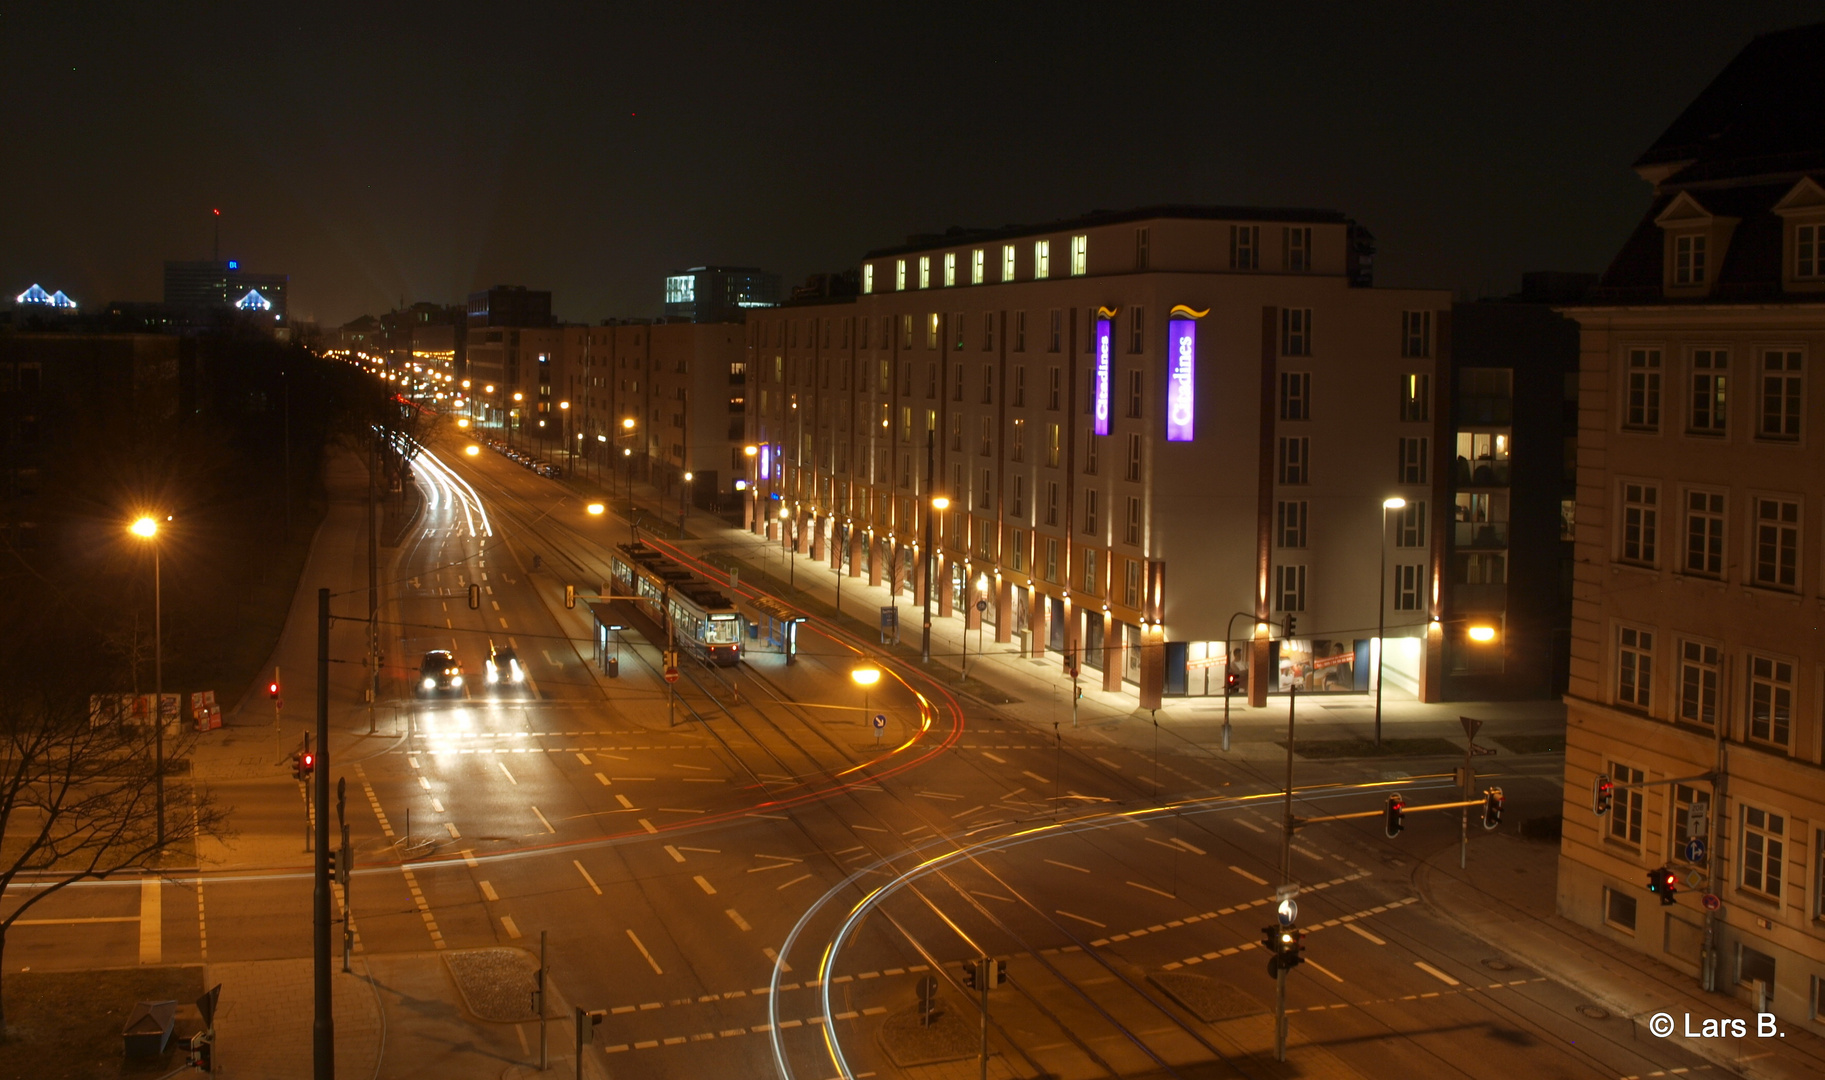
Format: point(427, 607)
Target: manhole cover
point(1498, 965)
point(1595, 1012)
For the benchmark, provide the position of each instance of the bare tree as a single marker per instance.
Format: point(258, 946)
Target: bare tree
point(78, 798)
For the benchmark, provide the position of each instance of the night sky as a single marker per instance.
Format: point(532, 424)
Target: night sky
point(383, 151)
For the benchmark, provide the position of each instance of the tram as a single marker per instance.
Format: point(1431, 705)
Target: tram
point(698, 616)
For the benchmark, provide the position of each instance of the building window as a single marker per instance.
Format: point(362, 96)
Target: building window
point(1295, 395)
point(1058, 333)
point(1051, 559)
point(957, 383)
point(1781, 386)
point(1133, 470)
point(1700, 670)
point(1131, 587)
point(956, 329)
point(1407, 578)
point(868, 277)
point(1705, 533)
point(1764, 850)
point(1135, 386)
point(899, 276)
point(1042, 259)
point(988, 331)
point(906, 327)
point(1415, 398)
point(925, 271)
point(1090, 450)
point(1137, 329)
point(1244, 247)
point(1007, 262)
point(932, 329)
point(1289, 588)
point(1295, 331)
point(1410, 525)
point(1684, 798)
point(956, 431)
point(1289, 523)
point(1054, 390)
point(1413, 461)
point(1619, 910)
point(1709, 378)
point(1131, 530)
point(1298, 247)
point(1416, 334)
point(1770, 700)
point(1092, 582)
point(978, 266)
point(1090, 511)
point(1689, 259)
point(1019, 449)
point(1293, 464)
point(1051, 502)
point(1634, 667)
point(1625, 810)
point(950, 268)
point(983, 502)
point(1017, 550)
point(1053, 445)
point(1080, 256)
point(1809, 251)
point(1640, 523)
point(1020, 332)
point(1142, 253)
point(987, 442)
point(1020, 495)
point(1777, 544)
point(1643, 407)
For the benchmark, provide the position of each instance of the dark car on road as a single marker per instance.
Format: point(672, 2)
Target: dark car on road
point(439, 673)
point(504, 670)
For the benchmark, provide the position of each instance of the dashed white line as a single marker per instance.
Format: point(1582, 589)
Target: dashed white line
point(487, 891)
point(542, 821)
point(1249, 876)
point(1364, 934)
point(638, 944)
point(704, 884)
point(740, 923)
point(1435, 973)
point(1080, 918)
point(1068, 866)
point(592, 881)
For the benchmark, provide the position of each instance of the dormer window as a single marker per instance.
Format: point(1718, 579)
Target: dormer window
point(1809, 251)
point(1689, 259)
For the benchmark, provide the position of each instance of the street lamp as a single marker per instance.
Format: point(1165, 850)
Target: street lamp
point(517, 398)
point(785, 518)
point(684, 500)
point(866, 677)
point(564, 409)
point(146, 528)
point(753, 485)
point(939, 503)
point(1381, 608)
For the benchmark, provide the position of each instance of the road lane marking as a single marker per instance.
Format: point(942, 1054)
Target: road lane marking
point(993, 758)
point(469, 857)
point(454, 835)
point(151, 926)
point(1246, 824)
point(507, 774)
point(1188, 846)
point(704, 884)
point(424, 908)
point(968, 812)
point(699, 768)
point(1080, 918)
point(79, 921)
point(1036, 776)
point(673, 852)
point(592, 881)
point(626, 803)
point(487, 890)
point(638, 944)
point(1436, 973)
point(413, 759)
point(647, 825)
point(1364, 934)
point(773, 958)
point(424, 782)
point(794, 881)
point(1249, 876)
point(1307, 852)
point(1151, 889)
point(496, 603)
point(512, 930)
point(740, 923)
point(1068, 866)
point(584, 758)
point(542, 821)
point(602, 778)
point(503, 624)
point(437, 805)
point(700, 850)
point(678, 810)
point(987, 896)
point(938, 795)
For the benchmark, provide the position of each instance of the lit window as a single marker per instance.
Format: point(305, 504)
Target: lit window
point(899, 278)
point(1080, 256)
point(1415, 402)
point(950, 269)
point(1709, 380)
point(868, 277)
point(1042, 259)
point(925, 271)
point(978, 266)
point(1007, 262)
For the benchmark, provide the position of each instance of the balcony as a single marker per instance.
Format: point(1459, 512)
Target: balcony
point(1483, 472)
point(1487, 535)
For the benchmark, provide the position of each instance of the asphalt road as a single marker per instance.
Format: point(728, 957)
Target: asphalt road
point(751, 883)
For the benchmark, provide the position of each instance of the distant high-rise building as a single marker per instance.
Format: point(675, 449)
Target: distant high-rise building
point(510, 305)
point(712, 294)
point(207, 285)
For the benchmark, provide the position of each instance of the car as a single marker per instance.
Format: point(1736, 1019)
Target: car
point(439, 673)
point(504, 668)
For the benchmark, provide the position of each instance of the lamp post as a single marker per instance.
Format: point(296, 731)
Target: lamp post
point(939, 503)
point(1381, 608)
point(753, 485)
point(490, 406)
point(146, 528)
point(684, 500)
point(866, 677)
point(514, 415)
point(564, 411)
point(785, 520)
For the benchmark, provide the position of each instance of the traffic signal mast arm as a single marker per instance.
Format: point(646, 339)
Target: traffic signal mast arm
point(1405, 808)
point(1707, 777)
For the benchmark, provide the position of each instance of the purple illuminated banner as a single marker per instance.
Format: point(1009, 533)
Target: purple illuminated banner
point(1100, 405)
point(1181, 374)
point(765, 454)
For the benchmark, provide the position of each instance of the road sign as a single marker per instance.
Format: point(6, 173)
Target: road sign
point(928, 998)
point(205, 1005)
point(982, 605)
point(1471, 726)
point(1712, 902)
point(1288, 911)
point(671, 674)
point(890, 618)
point(1695, 850)
point(880, 721)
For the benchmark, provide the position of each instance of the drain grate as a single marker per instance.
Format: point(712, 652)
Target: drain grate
point(1494, 964)
point(1594, 1012)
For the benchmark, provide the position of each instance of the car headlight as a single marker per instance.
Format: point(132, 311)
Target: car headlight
point(517, 674)
point(492, 675)
point(430, 684)
point(456, 680)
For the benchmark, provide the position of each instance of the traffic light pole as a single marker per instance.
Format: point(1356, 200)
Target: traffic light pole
point(323, 1041)
point(985, 969)
point(1280, 1015)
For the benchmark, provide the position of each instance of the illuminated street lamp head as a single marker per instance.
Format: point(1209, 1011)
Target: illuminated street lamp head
point(472, 450)
point(601, 438)
point(1482, 633)
point(596, 509)
point(145, 527)
point(517, 396)
point(785, 512)
point(628, 424)
point(626, 452)
point(750, 450)
point(939, 502)
point(866, 676)
point(489, 388)
point(1394, 503)
point(688, 477)
point(462, 423)
point(465, 384)
point(563, 404)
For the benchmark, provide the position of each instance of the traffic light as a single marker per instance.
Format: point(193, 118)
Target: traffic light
point(1492, 808)
point(1231, 683)
point(330, 867)
point(272, 690)
point(1000, 974)
point(570, 596)
point(297, 765)
point(475, 597)
point(1663, 883)
point(1602, 792)
point(969, 974)
point(202, 1051)
point(1292, 948)
point(1395, 816)
point(307, 764)
point(1292, 625)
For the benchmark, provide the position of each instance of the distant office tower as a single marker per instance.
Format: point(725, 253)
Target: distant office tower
point(197, 287)
point(711, 294)
point(510, 305)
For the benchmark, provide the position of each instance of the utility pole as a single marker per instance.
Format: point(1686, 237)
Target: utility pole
point(544, 1059)
point(925, 633)
point(323, 1041)
point(1714, 852)
point(373, 577)
point(1286, 842)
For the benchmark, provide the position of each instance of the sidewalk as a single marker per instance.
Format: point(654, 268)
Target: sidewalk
point(1520, 919)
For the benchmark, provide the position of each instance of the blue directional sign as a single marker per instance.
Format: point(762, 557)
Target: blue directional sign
point(1695, 850)
point(880, 721)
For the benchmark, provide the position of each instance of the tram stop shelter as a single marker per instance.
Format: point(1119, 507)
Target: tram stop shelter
point(774, 623)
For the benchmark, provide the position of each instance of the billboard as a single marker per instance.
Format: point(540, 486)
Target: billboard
point(1099, 406)
point(1181, 378)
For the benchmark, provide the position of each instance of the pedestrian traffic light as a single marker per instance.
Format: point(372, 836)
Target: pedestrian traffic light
point(1395, 816)
point(475, 596)
point(1231, 683)
point(1492, 808)
point(570, 596)
point(1602, 791)
point(1663, 883)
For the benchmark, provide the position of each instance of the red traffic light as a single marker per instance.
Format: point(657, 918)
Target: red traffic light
point(307, 762)
point(272, 689)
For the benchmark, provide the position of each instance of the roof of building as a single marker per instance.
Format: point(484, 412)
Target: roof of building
point(1751, 266)
point(1764, 112)
point(958, 235)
